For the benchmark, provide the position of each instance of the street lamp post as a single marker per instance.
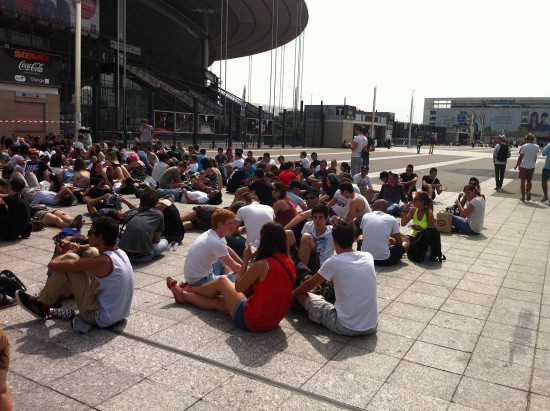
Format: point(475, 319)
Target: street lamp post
point(410, 121)
point(77, 67)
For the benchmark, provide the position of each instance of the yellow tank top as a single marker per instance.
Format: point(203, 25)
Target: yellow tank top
point(422, 223)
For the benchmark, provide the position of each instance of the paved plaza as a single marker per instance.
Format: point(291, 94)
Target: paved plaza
point(470, 333)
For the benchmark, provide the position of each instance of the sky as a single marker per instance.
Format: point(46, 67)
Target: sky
point(471, 48)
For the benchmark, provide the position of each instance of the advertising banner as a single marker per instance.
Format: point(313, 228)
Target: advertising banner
point(59, 12)
point(252, 126)
point(29, 67)
point(164, 121)
point(207, 124)
point(184, 122)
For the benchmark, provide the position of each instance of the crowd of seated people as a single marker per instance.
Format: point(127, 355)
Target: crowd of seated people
point(289, 231)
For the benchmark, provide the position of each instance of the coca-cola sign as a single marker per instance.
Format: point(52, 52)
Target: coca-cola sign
point(29, 67)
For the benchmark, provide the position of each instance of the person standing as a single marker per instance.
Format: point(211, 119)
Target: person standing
point(527, 161)
point(501, 153)
point(368, 147)
point(418, 144)
point(545, 172)
point(146, 133)
point(433, 142)
point(359, 142)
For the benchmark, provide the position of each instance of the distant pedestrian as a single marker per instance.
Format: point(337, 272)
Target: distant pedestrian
point(501, 153)
point(433, 142)
point(526, 162)
point(545, 172)
point(418, 144)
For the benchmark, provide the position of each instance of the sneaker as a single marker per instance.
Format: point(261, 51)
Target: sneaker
point(170, 197)
point(61, 314)
point(529, 196)
point(77, 222)
point(30, 304)
point(6, 302)
point(80, 326)
point(172, 246)
point(543, 199)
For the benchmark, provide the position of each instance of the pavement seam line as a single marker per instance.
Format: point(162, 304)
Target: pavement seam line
point(237, 371)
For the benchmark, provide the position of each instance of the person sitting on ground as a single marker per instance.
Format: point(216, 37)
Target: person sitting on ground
point(81, 177)
point(363, 181)
point(294, 194)
point(172, 176)
point(348, 205)
point(475, 182)
point(209, 257)
point(57, 218)
point(119, 171)
point(271, 277)
point(161, 166)
point(421, 214)
point(381, 235)
point(355, 311)
point(208, 178)
point(431, 184)
point(253, 216)
point(316, 179)
point(470, 220)
point(142, 239)
point(408, 180)
point(259, 186)
point(393, 193)
point(331, 184)
point(283, 208)
point(99, 276)
point(15, 214)
point(237, 162)
point(287, 173)
point(137, 167)
point(316, 243)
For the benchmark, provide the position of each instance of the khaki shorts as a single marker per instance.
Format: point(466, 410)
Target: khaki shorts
point(526, 173)
point(322, 312)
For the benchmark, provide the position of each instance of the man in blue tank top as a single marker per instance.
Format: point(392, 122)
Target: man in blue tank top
point(99, 275)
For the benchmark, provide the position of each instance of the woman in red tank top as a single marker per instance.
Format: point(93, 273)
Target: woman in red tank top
point(284, 209)
point(271, 278)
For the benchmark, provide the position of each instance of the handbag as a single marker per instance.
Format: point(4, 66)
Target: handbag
point(443, 222)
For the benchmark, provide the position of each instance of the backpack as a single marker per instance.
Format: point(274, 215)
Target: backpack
point(502, 154)
point(9, 283)
point(419, 246)
point(235, 180)
point(112, 202)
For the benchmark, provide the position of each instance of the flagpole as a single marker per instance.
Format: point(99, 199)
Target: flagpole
point(410, 121)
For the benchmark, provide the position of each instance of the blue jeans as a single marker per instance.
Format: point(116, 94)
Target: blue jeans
point(462, 225)
point(238, 311)
point(217, 272)
point(176, 192)
point(394, 209)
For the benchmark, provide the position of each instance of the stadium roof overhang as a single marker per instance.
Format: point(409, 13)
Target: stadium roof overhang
point(254, 26)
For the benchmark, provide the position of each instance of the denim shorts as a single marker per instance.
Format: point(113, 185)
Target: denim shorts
point(238, 311)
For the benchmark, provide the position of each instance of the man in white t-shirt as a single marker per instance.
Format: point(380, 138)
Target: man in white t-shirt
point(355, 311)
point(363, 181)
point(253, 216)
point(146, 133)
point(304, 161)
point(209, 257)
point(527, 161)
point(316, 240)
point(381, 236)
point(356, 147)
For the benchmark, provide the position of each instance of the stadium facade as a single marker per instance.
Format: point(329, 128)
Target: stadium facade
point(156, 67)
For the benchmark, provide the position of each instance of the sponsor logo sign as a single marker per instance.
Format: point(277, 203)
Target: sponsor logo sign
point(30, 67)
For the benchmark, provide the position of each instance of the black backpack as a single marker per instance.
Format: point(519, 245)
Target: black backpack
point(9, 283)
point(502, 154)
point(235, 180)
point(419, 246)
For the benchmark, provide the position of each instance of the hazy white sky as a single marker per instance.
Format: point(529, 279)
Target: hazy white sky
point(471, 48)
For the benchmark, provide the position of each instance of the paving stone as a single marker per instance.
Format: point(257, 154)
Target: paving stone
point(541, 382)
point(284, 368)
point(514, 334)
point(94, 383)
point(458, 322)
point(186, 337)
point(400, 326)
point(438, 280)
point(303, 402)
point(384, 343)
point(392, 398)
point(344, 386)
point(144, 324)
point(431, 289)
point(46, 399)
point(523, 276)
point(495, 272)
point(413, 312)
point(155, 396)
point(469, 310)
point(173, 311)
point(394, 282)
point(539, 403)
point(370, 364)
point(485, 279)
point(446, 337)
point(544, 325)
point(388, 293)
point(520, 295)
point(311, 347)
point(425, 380)
point(478, 287)
point(243, 393)
point(545, 310)
point(505, 351)
point(420, 299)
point(472, 297)
point(438, 357)
point(232, 350)
point(522, 285)
point(484, 395)
point(197, 377)
point(499, 372)
point(19, 385)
